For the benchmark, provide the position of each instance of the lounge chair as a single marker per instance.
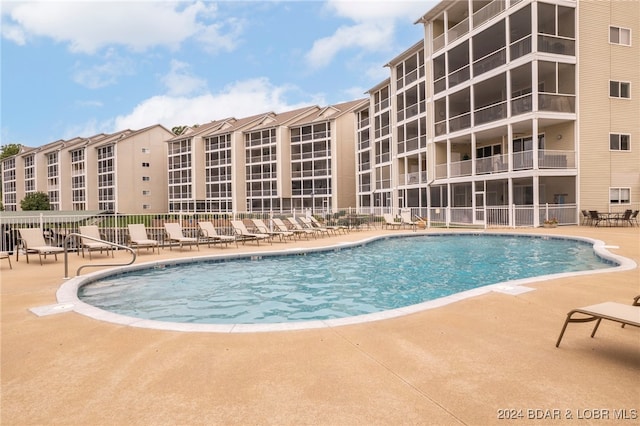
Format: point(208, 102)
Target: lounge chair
point(5, 255)
point(612, 311)
point(390, 222)
point(281, 226)
point(295, 225)
point(595, 217)
point(32, 241)
point(138, 238)
point(636, 302)
point(175, 235)
point(306, 223)
point(264, 229)
point(336, 228)
point(90, 244)
point(405, 219)
point(209, 235)
point(243, 233)
point(624, 218)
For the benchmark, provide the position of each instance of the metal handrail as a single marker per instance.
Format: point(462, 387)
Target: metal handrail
point(75, 234)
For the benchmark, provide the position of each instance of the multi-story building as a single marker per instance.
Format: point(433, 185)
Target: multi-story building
point(120, 172)
point(268, 162)
point(514, 110)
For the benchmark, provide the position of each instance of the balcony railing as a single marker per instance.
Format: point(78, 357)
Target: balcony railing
point(493, 164)
point(520, 48)
point(557, 103)
point(438, 42)
point(560, 46)
point(523, 160)
point(521, 105)
point(490, 62)
point(487, 12)
point(460, 122)
point(490, 113)
point(458, 30)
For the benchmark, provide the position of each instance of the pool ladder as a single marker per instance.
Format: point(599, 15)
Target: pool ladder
point(95, 265)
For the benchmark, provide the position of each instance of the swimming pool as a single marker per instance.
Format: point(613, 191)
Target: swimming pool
point(385, 275)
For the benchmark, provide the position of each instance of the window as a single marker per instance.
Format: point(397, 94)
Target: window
point(619, 195)
point(145, 178)
point(146, 150)
point(146, 206)
point(145, 164)
point(620, 36)
point(146, 192)
point(619, 142)
point(619, 89)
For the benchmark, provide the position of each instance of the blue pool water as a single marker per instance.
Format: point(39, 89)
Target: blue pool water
point(382, 275)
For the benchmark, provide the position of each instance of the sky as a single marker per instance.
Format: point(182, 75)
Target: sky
point(80, 68)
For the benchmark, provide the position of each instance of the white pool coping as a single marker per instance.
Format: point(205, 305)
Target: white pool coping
point(68, 301)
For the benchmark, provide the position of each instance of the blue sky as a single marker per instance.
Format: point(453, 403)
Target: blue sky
point(79, 68)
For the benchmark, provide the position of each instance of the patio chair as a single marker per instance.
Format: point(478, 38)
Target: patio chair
point(175, 235)
point(264, 229)
point(595, 217)
point(586, 218)
point(390, 222)
point(633, 220)
point(295, 225)
point(243, 233)
point(31, 240)
point(138, 237)
point(636, 302)
point(405, 219)
point(612, 311)
point(90, 244)
point(5, 255)
point(281, 226)
point(336, 228)
point(209, 235)
point(624, 218)
point(306, 223)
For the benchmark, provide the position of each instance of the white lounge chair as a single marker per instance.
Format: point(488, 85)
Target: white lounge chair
point(5, 255)
point(295, 225)
point(310, 225)
point(243, 233)
point(90, 244)
point(281, 226)
point(264, 229)
point(405, 219)
point(32, 241)
point(138, 237)
point(209, 235)
point(175, 235)
point(335, 228)
point(390, 222)
point(612, 311)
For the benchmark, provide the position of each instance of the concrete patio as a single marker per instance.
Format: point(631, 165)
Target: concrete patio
point(470, 362)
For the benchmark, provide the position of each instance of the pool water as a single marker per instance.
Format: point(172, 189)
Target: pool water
point(381, 275)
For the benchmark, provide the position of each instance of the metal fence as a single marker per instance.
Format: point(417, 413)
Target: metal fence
point(113, 227)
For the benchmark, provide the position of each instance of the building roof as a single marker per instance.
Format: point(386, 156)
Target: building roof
point(330, 112)
point(419, 45)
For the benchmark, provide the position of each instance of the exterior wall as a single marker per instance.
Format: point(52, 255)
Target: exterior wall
point(343, 162)
point(144, 196)
point(128, 170)
point(601, 168)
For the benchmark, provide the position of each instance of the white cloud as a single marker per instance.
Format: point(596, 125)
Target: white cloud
point(379, 10)
point(104, 74)
point(240, 99)
point(138, 25)
point(180, 82)
point(373, 28)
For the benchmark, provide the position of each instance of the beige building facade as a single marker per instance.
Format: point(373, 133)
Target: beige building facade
point(121, 172)
point(299, 159)
point(508, 113)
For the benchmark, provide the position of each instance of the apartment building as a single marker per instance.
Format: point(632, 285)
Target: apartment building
point(120, 172)
point(508, 112)
point(269, 162)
